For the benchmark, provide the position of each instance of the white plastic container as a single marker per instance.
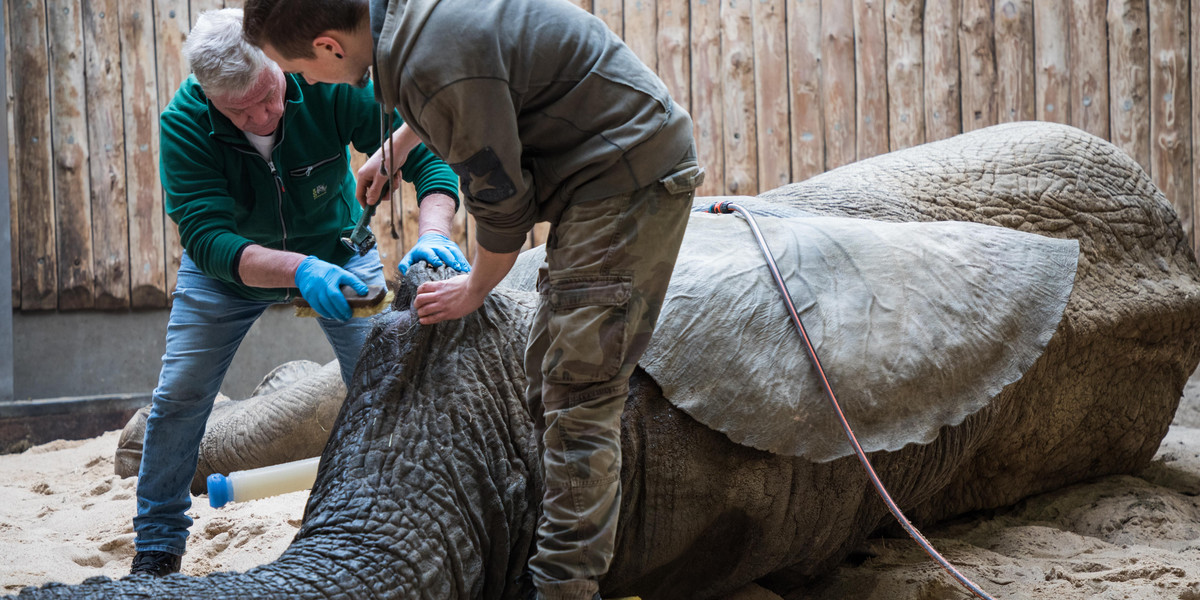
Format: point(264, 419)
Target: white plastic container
point(240, 486)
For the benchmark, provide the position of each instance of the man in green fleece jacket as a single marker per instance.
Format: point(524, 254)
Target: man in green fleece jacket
point(546, 116)
point(256, 172)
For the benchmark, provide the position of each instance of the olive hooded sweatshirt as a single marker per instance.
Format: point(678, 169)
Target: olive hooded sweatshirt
point(535, 104)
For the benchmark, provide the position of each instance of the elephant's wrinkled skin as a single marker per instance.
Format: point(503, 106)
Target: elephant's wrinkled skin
point(428, 486)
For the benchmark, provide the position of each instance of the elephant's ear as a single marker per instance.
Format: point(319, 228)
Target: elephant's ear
point(918, 325)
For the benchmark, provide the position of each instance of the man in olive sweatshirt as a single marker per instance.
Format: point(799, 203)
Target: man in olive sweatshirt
point(256, 172)
point(546, 116)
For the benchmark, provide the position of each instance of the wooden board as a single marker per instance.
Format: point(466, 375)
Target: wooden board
point(977, 57)
point(737, 76)
point(72, 180)
point(1089, 67)
point(943, 102)
point(1170, 106)
point(106, 125)
point(14, 221)
point(905, 74)
point(172, 24)
point(1052, 34)
point(584, 4)
point(199, 6)
point(708, 117)
point(771, 93)
point(1129, 78)
point(641, 30)
point(147, 267)
point(612, 12)
point(837, 82)
point(674, 44)
point(1014, 61)
point(409, 222)
point(804, 82)
point(460, 234)
point(34, 173)
point(234, 3)
point(1195, 26)
point(870, 74)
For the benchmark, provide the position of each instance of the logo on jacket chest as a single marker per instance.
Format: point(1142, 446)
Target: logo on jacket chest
point(319, 191)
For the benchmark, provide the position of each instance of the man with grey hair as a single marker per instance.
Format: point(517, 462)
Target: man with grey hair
point(257, 176)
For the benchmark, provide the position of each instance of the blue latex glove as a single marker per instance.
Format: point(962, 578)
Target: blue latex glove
point(437, 250)
point(321, 285)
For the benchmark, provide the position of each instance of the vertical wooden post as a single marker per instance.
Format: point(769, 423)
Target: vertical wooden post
point(804, 78)
point(1170, 106)
point(72, 181)
point(14, 255)
point(1089, 67)
point(612, 12)
point(199, 6)
point(942, 99)
point(771, 93)
point(674, 64)
point(641, 30)
point(837, 82)
point(1051, 36)
point(106, 125)
point(584, 4)
point(6, 272)
point(1129, 77)
point(977, 53)
point(870, 79)
point(409, 219)
point(1014, 61)
point(1195, 77)
point(147, 273)
point(906, 74)
point(35, 184)
point(737, 76)
point(234, 3)
point(707, 96)
point(171, 26)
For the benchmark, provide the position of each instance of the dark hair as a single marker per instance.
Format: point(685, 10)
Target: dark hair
point(290, 26)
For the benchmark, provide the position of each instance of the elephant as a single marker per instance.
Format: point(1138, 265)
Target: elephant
point(429, 485)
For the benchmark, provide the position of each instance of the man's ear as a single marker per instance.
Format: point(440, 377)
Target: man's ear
point(328, 43)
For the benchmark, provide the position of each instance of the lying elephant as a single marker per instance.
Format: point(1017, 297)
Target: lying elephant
point(429, 484)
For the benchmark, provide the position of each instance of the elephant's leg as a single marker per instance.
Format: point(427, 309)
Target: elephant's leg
point(752, 591)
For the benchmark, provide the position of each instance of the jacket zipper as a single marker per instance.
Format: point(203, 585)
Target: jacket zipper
point(279, 191)
point(306, 171)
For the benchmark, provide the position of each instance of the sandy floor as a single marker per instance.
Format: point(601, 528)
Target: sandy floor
point(65, 517)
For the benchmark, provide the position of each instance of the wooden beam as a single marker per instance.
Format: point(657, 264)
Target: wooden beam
point(905, 74)
point(14, 254)
point(147, 268)
point(804, 78)
point(707, 93)
point(1129, 77)
point(641, 30)
point(837, 82)
point(1171, 106)
point(172, 24)
point(72, 180)
point(1051, 38)
point(612, 12)
point(737, 76)
point(870, 78)
point(977, 54)
point(771, 94)
point(1089, 67)
point(1195, 78)
point(1014, 61)
point(943, 102)
point(674, 63)
point(34, 173)
point(106, 130)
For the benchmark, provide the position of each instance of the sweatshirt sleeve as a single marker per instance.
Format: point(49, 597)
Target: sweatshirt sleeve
point(422, 168)
point(473, 123)
point(197, 198)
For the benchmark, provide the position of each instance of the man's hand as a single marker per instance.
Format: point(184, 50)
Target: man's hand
point(437, 250)
point(321, 285)
point(371, 179)
point(447, 299)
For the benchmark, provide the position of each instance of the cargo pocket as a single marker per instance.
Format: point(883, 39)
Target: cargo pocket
point(588, 328)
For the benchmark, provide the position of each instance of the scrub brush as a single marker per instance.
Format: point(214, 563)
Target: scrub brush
point(376, 299)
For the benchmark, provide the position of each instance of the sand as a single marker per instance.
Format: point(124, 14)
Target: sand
point(64, 516)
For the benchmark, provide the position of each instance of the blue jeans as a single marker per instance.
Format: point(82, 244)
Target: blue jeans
point(207, 324)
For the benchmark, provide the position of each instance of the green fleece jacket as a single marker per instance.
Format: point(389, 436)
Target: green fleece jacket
point(224, 195)
point(534, 103)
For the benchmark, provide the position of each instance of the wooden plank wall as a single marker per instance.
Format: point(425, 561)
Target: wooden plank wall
point(779, 90)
